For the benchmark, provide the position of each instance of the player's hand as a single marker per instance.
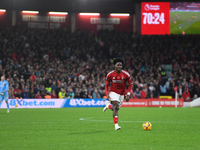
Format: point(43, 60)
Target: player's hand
point(1, 93)
point(108, 97)
point(127, 97)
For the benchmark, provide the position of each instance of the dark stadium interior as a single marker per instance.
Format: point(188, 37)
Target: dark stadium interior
point(102, 6)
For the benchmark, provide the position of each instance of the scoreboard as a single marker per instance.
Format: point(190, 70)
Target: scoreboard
point(155, 18)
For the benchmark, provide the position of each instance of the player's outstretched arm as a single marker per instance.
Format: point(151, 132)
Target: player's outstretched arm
point(130, 86)
point(106, 90)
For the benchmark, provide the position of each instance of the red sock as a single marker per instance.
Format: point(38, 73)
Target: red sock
point(115, 120)
point(109, 106)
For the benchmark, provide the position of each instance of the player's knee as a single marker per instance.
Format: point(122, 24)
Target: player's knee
point(116, 108)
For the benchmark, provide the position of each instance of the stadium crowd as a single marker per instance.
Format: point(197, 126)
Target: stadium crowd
point(40, 63)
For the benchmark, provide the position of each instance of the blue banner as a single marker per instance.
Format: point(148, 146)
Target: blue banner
point(84, 103)
point(53, 103)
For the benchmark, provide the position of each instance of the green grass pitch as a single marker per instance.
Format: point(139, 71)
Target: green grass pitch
point(91, 129)
point(189, 22)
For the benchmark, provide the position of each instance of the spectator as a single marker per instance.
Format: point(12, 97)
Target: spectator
point(186, 95)
point(192, 89)
point(171, 90)
point(38, 96)
point(32, 94)
point(83, 93)
point(54, 86)
point(70, 93)
point(89, 94)
point(180, 91)
point(58, 89)
point(95, 94)
point(151, 87)
point(47, 96)
point(32, 77)
point(184, 82)
point(53, 94)
point(143, 93)
point(163, 88)
point(48, 86)
point(137, 93)
point(37, 88)
point(77, 92)
point(25, 94)
point(42, 93)
point(17, 92)
point(62, 93)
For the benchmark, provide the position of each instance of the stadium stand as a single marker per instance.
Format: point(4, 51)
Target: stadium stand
point(45, 60)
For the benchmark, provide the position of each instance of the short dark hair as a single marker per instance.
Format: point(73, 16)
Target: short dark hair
point(118, 60)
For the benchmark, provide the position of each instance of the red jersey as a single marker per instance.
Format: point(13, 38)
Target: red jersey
point(32, 78)
point(186, 95)
point(118, 82)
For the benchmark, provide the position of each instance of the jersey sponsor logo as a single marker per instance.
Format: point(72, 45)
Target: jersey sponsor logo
point(118, 81)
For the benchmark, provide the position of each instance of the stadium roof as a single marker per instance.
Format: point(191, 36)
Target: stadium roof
point(101, 6)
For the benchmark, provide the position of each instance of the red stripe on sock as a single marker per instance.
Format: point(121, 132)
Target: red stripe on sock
point(109, 106)
point(115, 120)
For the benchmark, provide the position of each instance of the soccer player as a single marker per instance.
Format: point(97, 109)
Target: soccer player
point(4, 86)
point(118, 79)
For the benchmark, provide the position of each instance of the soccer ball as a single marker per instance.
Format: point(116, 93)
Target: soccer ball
point(147, 126)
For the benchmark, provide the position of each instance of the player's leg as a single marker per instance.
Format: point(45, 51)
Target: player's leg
point(6, 100)
point(108, 106)
point(115, 105)
point(8, 110)
point(115, 108)
point(113, 96)
point(115, 101)
point(1, 99)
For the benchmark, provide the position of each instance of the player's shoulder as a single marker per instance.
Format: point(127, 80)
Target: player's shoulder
point(109, 73)
point(125, 72)
point(5, 81)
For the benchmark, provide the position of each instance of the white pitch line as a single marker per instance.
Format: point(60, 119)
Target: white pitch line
point(35, 123)
point(91, 119)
